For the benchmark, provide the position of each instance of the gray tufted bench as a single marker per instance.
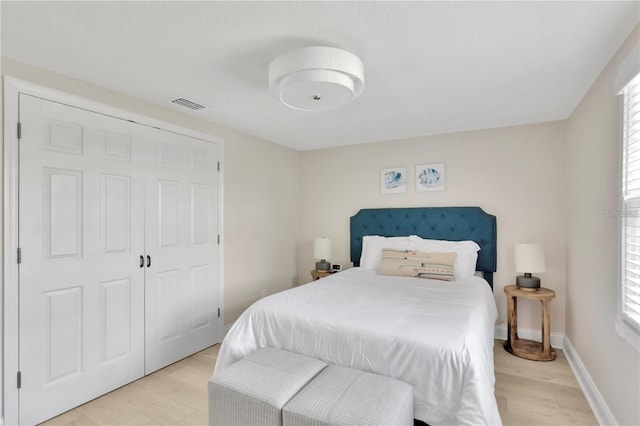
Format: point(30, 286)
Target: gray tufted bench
point(254, 390)
point(275, 387)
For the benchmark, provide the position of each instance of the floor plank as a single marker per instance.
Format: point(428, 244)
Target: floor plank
point(528, 393)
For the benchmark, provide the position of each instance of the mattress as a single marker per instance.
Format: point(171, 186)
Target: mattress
point(434, 335)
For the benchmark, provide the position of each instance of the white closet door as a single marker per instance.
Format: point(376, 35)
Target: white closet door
point(81, 233)
point(182, 229)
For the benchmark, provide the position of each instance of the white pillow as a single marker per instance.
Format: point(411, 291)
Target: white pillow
point(372, 246)
point(465, 265)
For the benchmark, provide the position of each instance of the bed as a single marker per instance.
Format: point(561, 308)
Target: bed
point(435, 335)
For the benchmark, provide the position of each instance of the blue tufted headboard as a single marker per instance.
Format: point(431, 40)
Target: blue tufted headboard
point(437, 223)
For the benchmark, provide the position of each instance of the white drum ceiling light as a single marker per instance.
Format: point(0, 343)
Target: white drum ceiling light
point(316, 78)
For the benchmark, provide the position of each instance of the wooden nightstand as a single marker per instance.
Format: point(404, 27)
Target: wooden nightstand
point(523, 348)
point(316, 275)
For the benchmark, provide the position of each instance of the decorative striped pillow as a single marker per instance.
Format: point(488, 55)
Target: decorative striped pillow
point(437, 266)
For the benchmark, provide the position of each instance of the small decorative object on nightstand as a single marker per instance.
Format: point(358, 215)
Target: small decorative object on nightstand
point(523, 348)
point(316, 275)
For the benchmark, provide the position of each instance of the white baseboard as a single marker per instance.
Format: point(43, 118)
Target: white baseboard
point(557, 339)
point(594, 398)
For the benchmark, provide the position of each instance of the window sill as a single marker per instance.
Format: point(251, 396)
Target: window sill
point(628, 333)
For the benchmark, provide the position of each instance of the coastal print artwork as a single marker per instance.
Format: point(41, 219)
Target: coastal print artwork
point(393, 181)
point(430, 177)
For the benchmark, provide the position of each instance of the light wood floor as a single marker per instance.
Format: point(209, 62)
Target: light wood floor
point(538, 393)
point(528, 393)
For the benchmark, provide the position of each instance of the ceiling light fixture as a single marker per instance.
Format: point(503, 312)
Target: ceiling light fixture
point(316, 78)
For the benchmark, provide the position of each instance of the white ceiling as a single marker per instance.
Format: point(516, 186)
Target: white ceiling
point(430, 67)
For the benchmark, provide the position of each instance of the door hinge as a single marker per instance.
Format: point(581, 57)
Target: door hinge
point(218, 166)
point(19, 130)
point(19, 255)
point(218, 239)
point(218, 312)
point(19, 379)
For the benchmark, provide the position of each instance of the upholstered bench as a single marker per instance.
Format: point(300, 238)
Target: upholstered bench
point(344, 396)
point(276, 387)
point(253, 390)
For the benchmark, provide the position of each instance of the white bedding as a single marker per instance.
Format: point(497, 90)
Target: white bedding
point(435, 335)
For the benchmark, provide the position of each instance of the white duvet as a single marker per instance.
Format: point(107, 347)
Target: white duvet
point(435, 335)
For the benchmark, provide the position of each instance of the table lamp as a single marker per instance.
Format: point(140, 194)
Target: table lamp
point(322, 251)
point(529, 259)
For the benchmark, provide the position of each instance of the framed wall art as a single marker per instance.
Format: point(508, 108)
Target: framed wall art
point(430, 177)
point(393, 181)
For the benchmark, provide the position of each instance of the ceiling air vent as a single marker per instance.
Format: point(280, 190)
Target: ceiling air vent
point(187, 103)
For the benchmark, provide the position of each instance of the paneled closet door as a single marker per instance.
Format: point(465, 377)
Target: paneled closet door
point(181, 281)
point(81, 233)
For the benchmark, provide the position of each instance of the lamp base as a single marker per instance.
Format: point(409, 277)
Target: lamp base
point(528, 282)
point(323, 265)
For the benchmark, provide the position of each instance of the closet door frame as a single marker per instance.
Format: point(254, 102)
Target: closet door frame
point(9, 297)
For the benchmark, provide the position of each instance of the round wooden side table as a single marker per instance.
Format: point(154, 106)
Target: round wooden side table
point(523, 348)
point(316, 275)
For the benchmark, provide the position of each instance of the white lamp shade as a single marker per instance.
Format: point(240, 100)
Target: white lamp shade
point(529, 258)
point(322, 248)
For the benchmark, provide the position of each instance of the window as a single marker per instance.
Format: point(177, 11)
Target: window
point(630, 231)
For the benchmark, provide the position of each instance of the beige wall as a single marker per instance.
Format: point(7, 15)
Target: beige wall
point(592, 289)
point(261, 198)
point(514, 173)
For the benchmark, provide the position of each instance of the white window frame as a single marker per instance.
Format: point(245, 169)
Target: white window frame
point(625, 326)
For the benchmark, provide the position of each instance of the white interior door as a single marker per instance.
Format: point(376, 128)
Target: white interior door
point(81, 232)
point(182, 310)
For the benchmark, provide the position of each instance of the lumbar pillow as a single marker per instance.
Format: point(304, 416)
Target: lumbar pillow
point(406, 263)
point(467, 251)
